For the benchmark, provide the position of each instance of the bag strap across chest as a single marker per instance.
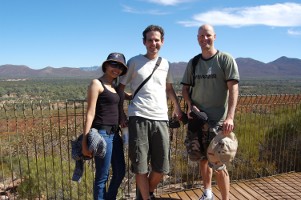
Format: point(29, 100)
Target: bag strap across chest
point(143, 83)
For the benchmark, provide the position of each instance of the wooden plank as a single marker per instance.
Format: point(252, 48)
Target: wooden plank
point(183, 195)
point(164, 196)
point(192, 194)
point(281, 187)
point(174, 196)
point(198, 192)
point(284, 186)
point(240, 190)
point(232, 197)
point(250, 190)
point(216, 193)
point(237, 192)
point(259, 188)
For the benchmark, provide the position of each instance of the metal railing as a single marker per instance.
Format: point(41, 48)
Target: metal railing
point(35, 149)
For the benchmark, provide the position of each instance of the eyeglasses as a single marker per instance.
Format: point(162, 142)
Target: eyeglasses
point(116, 65)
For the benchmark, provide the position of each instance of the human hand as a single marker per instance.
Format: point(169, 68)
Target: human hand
point(189, 110)
point(123, 121)
point(228, 126)
point(192, 108)
point(86, 152)
point(177, 113)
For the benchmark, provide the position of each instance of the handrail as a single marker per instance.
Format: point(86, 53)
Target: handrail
point(35, 159)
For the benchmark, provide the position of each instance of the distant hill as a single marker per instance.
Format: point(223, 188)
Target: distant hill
point(249, 68)
point(22, 71)
point(282, 67)
point(93, 68)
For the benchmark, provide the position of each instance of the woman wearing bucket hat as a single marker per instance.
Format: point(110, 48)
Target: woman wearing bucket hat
point(103, 115)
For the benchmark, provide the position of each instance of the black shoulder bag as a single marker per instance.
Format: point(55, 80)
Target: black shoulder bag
point(143, 83)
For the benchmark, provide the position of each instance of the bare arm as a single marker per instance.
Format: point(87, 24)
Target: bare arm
point(228, 124)
point(128, 96)
point(123, 96)
point(186, 96)
point(94, 89)
point(173, 97)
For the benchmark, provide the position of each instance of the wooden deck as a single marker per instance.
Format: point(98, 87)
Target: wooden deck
point(283, 186)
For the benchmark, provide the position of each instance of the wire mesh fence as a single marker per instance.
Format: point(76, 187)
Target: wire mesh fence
point(35, 148)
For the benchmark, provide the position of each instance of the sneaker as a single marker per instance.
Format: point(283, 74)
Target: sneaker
point(204, 197)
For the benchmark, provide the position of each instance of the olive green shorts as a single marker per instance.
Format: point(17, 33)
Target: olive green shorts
point(148, 143)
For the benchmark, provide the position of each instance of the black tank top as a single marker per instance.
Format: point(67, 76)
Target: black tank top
point(106, 112)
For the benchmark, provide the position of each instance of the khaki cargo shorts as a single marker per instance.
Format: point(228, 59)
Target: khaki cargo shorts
point(198, 137)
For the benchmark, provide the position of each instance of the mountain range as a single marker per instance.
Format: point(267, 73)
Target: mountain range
point(249, 68)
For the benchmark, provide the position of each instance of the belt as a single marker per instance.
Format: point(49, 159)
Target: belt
point(111, 129)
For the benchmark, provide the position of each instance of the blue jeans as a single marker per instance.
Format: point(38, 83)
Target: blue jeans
point(114, 155)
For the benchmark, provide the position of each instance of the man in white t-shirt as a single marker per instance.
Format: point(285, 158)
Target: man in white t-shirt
point(148, 113)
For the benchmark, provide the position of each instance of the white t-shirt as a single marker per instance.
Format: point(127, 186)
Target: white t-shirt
point(151, 101)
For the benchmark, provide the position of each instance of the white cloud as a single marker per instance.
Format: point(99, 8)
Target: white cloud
point(276, 15)
point(293, 32)
point(149, 12)
point(168, 2)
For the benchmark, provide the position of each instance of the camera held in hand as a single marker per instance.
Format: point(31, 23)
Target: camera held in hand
point(184, 118)
point(199, 114)
point(175, 123)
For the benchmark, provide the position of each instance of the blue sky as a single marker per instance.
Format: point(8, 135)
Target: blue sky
point(81, 33)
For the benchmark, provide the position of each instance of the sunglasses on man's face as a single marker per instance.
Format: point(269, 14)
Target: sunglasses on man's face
point(116, 65)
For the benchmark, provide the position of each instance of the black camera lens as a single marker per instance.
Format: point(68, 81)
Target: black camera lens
point(174, 123)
